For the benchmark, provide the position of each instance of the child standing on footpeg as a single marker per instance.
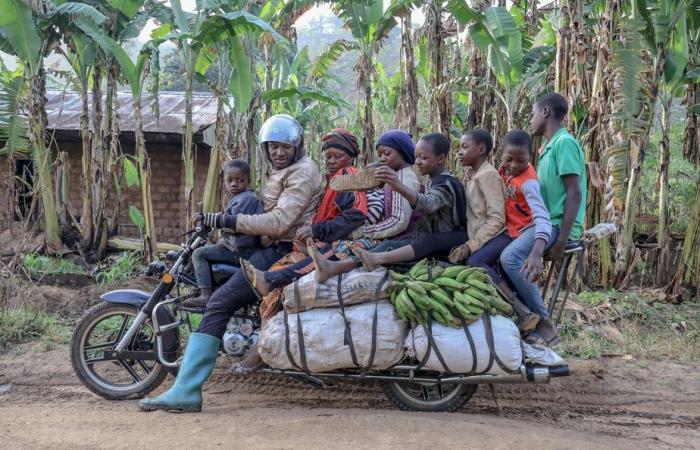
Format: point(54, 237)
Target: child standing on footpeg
point(231, 246)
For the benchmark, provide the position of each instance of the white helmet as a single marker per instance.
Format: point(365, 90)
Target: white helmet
point(282, 128)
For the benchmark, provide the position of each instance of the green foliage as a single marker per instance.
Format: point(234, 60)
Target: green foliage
point(23, 325)
point(682, 177)
point(123, 267)
point(137, 217)
point(131, 173)
point(323, 62)
point(42, 265)
point(20, 31)
point(14, 126)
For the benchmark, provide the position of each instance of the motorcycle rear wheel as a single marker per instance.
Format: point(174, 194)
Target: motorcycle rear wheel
point(97, 332)
point(427, 397)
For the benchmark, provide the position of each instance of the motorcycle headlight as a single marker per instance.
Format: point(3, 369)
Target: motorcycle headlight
point(155, 268)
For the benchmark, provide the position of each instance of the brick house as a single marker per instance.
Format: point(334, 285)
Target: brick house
point(163, 144)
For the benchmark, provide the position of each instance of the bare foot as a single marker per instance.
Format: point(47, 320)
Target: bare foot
point(369, 260)
point(256, 278)
point(324, 268)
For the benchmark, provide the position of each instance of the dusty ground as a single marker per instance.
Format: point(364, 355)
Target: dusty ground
point(609, 403)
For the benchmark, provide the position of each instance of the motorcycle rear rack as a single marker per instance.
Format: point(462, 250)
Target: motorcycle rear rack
point(528, 373)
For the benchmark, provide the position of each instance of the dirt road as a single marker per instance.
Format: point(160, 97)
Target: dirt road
point(609, 403)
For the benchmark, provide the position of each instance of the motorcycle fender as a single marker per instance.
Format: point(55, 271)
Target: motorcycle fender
point(138, 298)
point(135, 297)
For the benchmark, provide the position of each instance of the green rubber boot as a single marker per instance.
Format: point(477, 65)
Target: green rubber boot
point(197, 364)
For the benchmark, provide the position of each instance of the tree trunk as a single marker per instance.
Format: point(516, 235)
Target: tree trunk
point(86, 180)
point(367, 121)
point(43, 185)
point(187, 151)
point(100, 173)
point(407, 112)
point(112, 161)
point(144, 163)
point(663, 233)
point(212, 189)
point(597, 139)
point(440, 100)
point(479, 96)
point(561, 59)
point(689, 268)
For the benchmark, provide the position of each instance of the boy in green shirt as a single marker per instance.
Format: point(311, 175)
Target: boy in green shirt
point(562, 174)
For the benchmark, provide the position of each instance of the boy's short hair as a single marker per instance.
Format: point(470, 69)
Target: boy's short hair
point(556, 103)
point(439, 143)
point(239, 164)
point(518, 138)
point(481, 136)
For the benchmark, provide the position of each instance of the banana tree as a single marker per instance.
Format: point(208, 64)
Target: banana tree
point(215, 30)
point(23, 35)
point(495, 32)
point(656, 26)
point(300, 88)
point(369, 25)
point(81, 54)
point(689, 266)
point(135, 74)
point(673, 74)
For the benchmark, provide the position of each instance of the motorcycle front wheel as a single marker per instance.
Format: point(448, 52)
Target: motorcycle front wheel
point(428, 397)
point(95, 335)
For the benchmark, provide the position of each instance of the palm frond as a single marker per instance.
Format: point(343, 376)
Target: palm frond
point(14, 124)
point(328, 56)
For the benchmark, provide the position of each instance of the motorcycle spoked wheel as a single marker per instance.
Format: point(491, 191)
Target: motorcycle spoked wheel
point(99, 330)
point(428, 397)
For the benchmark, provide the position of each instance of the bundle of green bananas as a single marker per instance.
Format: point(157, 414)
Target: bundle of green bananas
point(445, 294)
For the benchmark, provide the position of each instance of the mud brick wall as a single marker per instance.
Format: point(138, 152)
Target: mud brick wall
point(167, 188)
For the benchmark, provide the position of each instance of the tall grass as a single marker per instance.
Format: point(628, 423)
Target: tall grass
point(18, 325)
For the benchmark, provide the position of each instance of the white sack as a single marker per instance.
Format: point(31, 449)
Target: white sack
point(324, 338)
point(456, 352)
point(357, 286)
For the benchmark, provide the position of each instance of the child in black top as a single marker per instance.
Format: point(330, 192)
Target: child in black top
point(231, 246)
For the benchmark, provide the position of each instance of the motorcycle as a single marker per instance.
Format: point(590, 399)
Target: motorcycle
point(125, 346)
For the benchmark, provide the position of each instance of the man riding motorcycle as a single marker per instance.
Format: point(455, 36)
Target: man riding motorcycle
point(290, 194)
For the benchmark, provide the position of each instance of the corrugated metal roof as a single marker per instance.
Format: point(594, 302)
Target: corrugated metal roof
point(63, 109)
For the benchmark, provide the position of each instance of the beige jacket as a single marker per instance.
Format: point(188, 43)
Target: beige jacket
point(290, 197)
point(486, 212)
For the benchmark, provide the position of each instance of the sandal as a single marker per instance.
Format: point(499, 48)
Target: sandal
point(250, 363)
point(250, 276)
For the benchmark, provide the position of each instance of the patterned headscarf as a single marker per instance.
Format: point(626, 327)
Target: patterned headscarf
point(342, 139)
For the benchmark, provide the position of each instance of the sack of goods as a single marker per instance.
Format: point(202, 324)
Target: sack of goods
point(491, 345)
point(355, 287)
point(370, 335)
